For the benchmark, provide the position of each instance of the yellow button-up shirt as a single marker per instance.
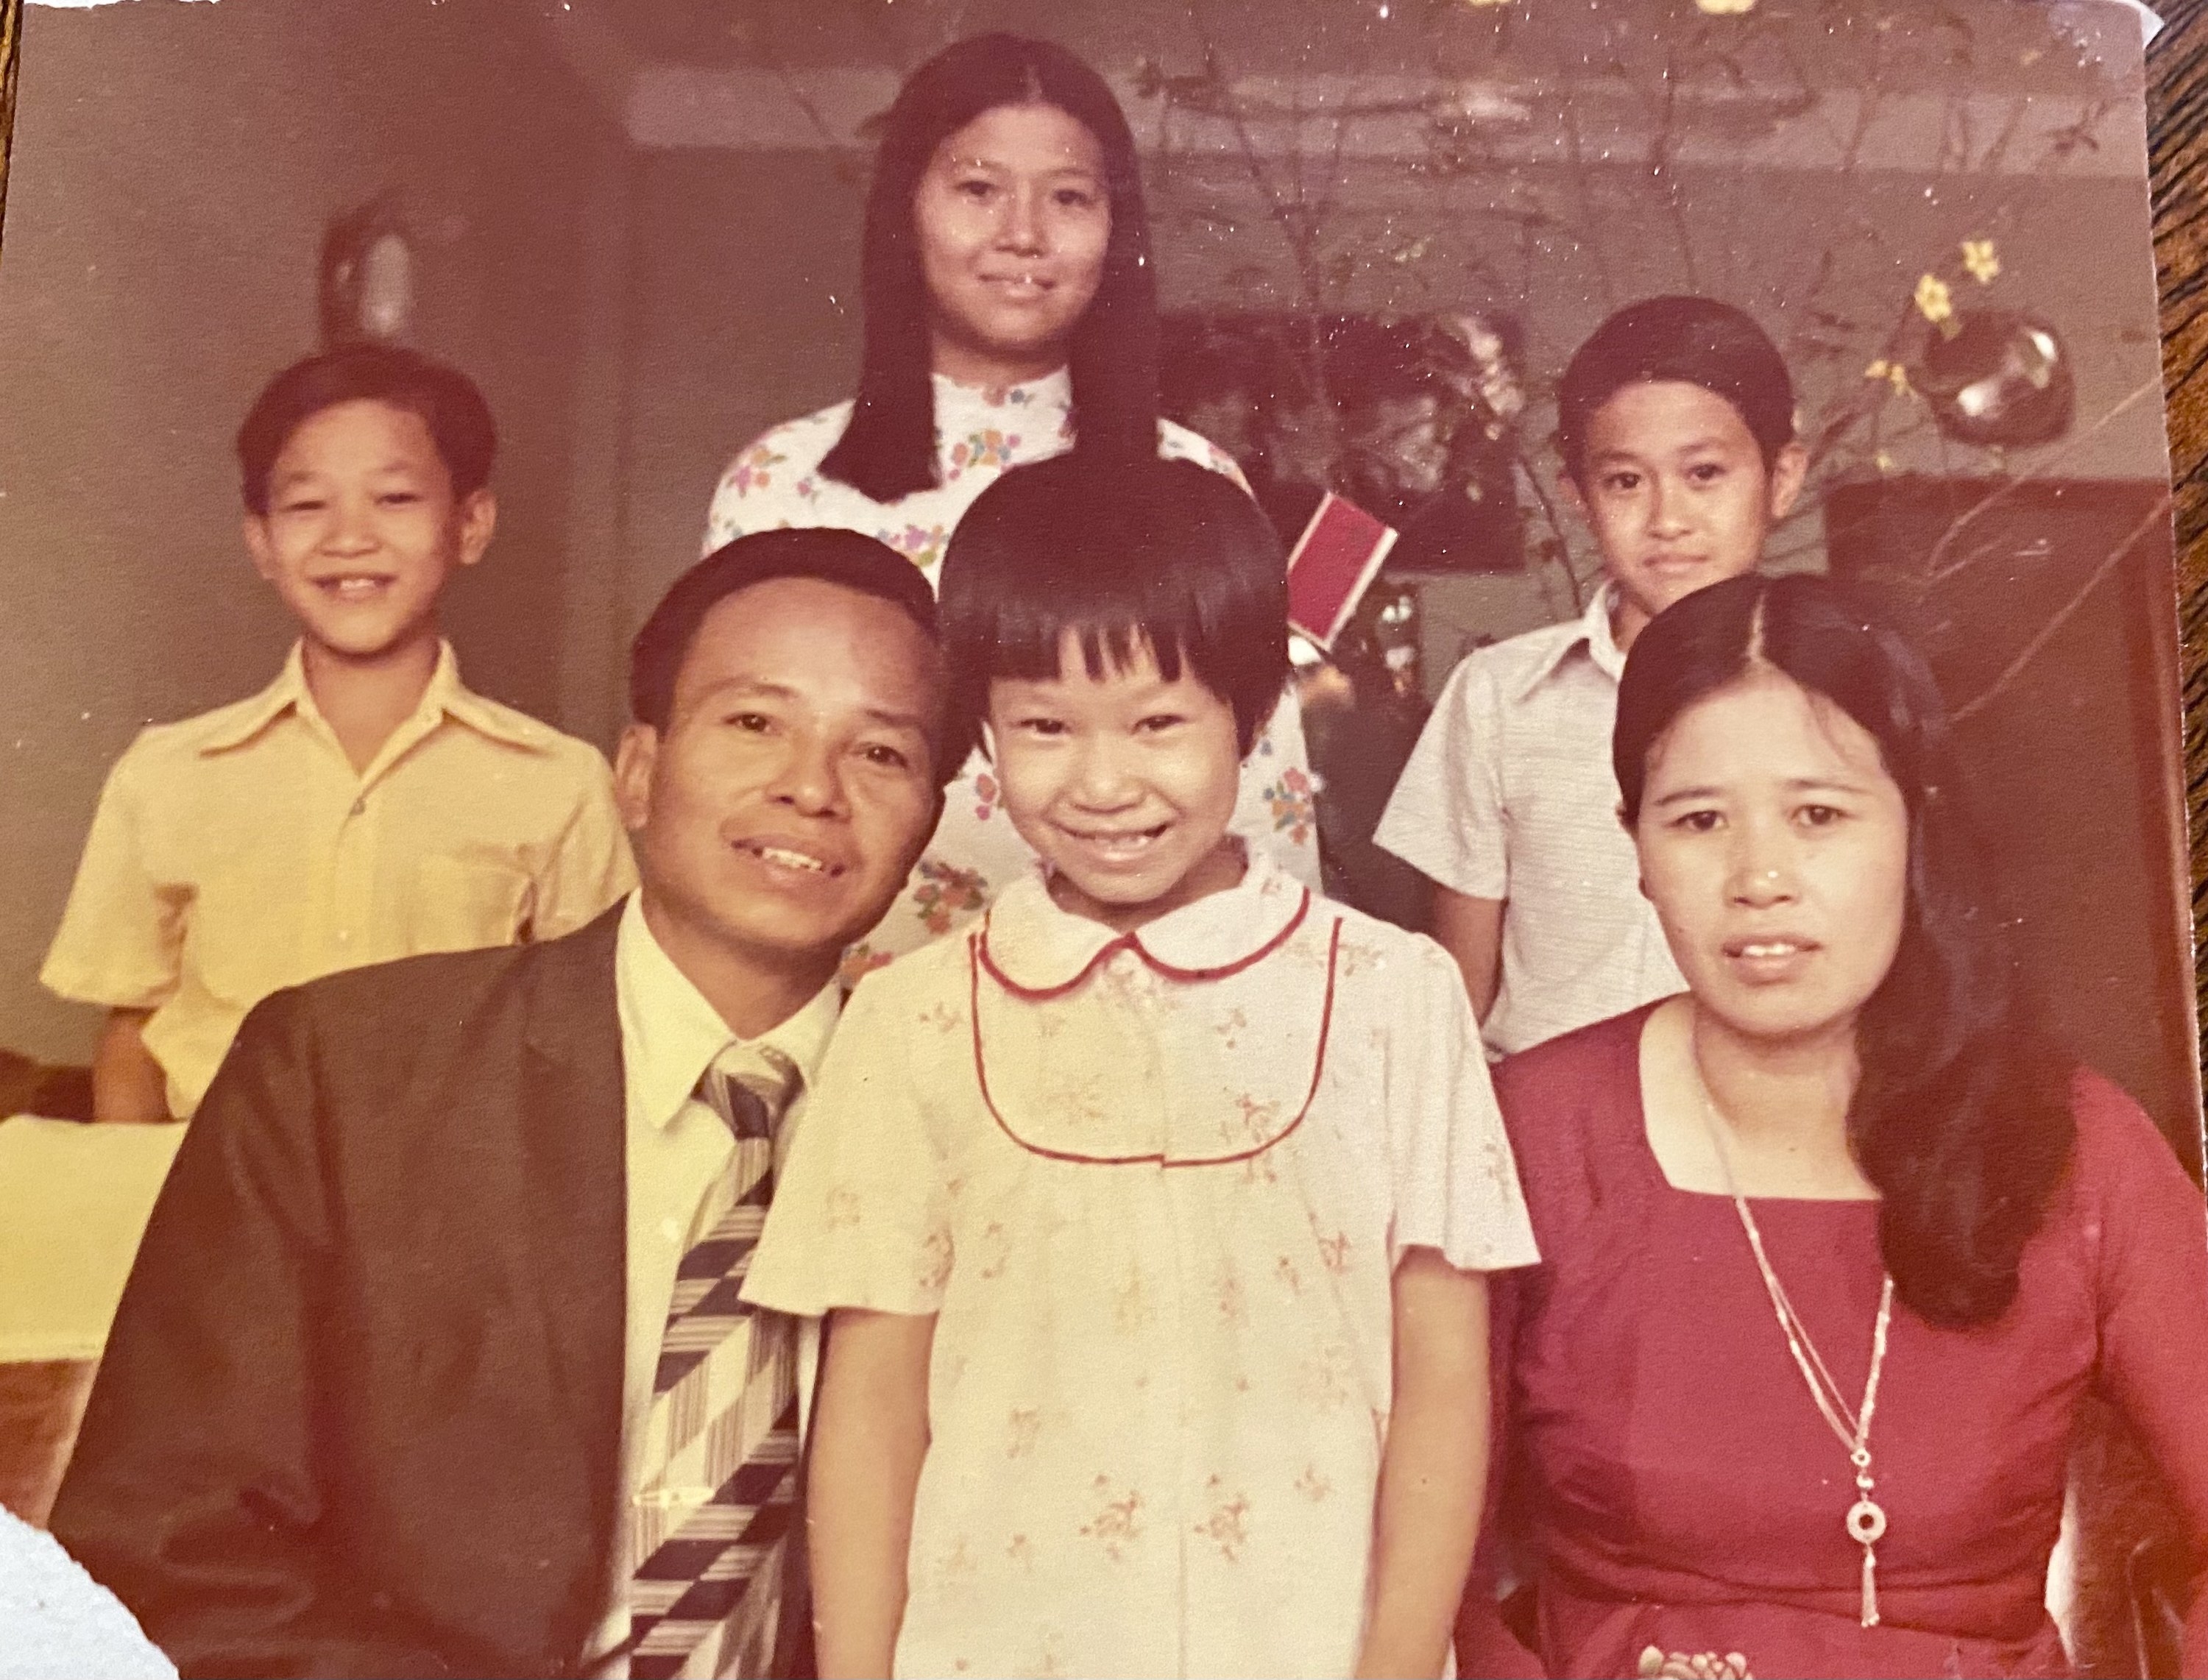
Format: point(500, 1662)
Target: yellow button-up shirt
point(238, 852)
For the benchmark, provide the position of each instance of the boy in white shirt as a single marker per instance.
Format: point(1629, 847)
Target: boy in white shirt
point(1676, 423)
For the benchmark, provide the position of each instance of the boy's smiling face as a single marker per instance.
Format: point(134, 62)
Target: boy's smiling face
point(1674, 486)
point(363, 529)
point(1123, 784)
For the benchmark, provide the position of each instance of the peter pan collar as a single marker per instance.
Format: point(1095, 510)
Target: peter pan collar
point(1037, 951)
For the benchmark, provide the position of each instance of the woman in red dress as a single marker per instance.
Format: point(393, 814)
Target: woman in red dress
point(1832, 1246)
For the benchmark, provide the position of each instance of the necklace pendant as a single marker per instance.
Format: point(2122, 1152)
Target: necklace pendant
point(1866, 1522)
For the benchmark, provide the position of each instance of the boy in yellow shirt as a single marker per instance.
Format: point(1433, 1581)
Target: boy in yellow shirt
point(365, 806)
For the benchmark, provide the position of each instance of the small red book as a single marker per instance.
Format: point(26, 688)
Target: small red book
point(1331, 565)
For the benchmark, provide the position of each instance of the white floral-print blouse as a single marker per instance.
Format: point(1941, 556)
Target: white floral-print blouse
point(777, 483)
point(1154, 1187)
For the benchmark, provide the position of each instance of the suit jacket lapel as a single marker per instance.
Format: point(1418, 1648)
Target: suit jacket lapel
point(575, 1188)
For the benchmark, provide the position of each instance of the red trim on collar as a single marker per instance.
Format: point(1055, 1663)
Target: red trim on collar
point(1133, 941)
point(977, 959)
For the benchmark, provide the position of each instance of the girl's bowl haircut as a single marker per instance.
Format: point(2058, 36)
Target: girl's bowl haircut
point(1166, 556)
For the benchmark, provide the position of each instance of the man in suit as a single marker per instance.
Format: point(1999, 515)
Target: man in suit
point(423, 1367)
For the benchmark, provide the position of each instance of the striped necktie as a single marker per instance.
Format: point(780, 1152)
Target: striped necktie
point(719, 1465)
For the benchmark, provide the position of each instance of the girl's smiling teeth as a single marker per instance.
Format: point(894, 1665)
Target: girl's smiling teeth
point(1119, 842)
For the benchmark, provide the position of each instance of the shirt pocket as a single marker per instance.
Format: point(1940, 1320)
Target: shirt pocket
point(241, 940)
point(466, 903)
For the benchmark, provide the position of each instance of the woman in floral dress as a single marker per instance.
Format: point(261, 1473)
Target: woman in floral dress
point(1008, 287)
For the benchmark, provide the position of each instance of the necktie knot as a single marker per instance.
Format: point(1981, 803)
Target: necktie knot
point(749, 1086)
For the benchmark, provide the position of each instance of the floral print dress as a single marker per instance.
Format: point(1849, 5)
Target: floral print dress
point(1154, 1187)
point(777, 483)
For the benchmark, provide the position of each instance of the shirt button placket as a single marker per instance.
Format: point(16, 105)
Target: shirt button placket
point(352, 887)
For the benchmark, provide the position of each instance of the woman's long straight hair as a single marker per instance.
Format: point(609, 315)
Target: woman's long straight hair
point(1961, 1115)
point(888, 449)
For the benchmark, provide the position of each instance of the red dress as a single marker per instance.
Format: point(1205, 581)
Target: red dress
point(1681, 1489)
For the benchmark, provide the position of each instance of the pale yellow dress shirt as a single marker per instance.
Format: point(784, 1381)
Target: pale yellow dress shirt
point(238, 852)
point(677, 1153)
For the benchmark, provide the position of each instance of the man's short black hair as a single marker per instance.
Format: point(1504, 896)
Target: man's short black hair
point(1166, 555)
point(1692, 339)
point(830, 557)
point(447, 400)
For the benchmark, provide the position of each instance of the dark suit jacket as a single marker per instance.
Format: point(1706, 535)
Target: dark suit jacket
point(360, 1414)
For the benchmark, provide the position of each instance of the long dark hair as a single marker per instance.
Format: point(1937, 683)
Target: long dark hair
point(1961, 1116)
point(888, 449)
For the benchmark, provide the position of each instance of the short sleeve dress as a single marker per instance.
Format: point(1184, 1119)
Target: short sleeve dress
point(1154, 1187)
point(777, 483)
point(1683, 1492)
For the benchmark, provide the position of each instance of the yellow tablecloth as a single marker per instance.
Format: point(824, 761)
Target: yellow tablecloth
point(73, 1202)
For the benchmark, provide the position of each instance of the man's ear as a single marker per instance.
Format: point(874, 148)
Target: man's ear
point(635, 757)
point(478, 516)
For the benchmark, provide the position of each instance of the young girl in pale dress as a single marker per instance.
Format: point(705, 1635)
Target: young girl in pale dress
point(1150, 1214)
point(1009, 291)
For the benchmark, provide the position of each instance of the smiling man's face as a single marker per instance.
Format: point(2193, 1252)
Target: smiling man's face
point(776, 815)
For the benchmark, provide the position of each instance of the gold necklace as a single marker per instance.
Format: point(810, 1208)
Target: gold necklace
point(1866, 1518)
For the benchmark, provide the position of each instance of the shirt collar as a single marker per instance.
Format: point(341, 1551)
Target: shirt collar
point(444, 695)
point(1052, 394)
point(1038, 950)
point(670, 1033)
point(1592, 632)
point(289, 690)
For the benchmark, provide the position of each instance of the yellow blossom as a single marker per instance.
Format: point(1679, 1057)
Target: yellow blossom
point(1933, 302)
point(1726, 7)
point(1983, 261)
point(1893, 372)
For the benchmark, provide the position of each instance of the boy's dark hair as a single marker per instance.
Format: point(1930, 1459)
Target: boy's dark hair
point(844, 558)
point(447, 400)
point(888, 447)
point(1961, 1117)
point(1695, 340)
point(1162, 554)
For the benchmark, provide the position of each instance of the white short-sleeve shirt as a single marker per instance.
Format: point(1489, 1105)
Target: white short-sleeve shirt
point(1509, 794)
point(778, 482)
point(1154, 1187)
